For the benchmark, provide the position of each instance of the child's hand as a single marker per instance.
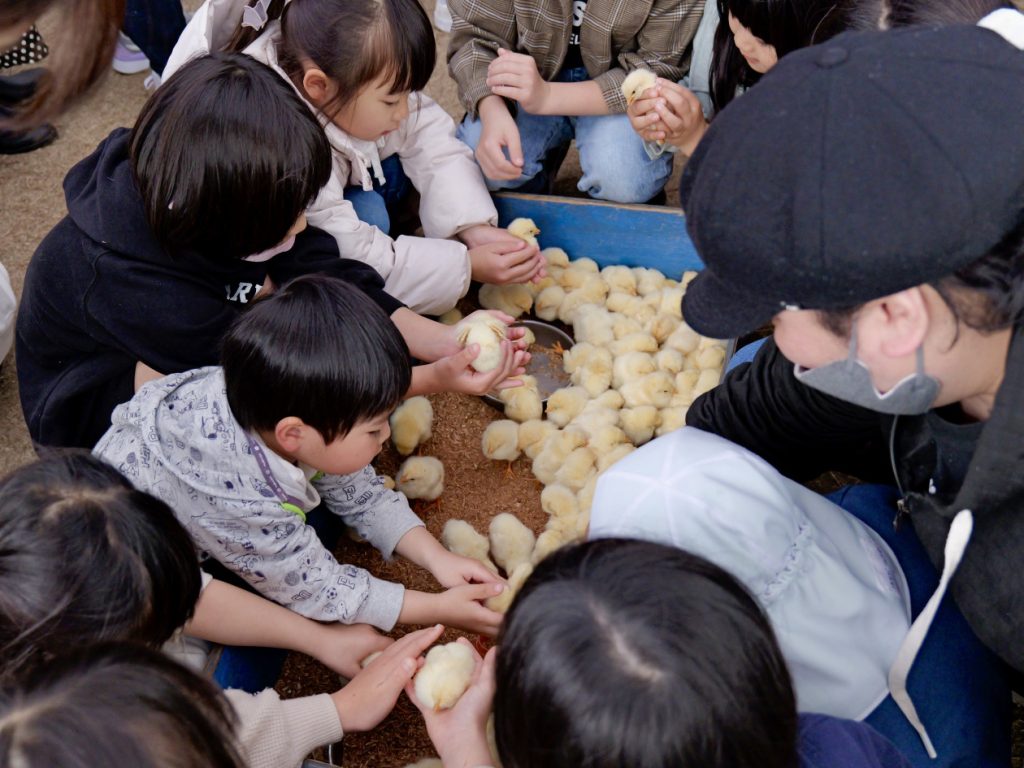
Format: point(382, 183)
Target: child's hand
point(498, 131)
point(681, 119)
point(506, 261)
point(453, 570)
point(371, 694)
point(515, 76)
point(462, 607)
point(455, 374)
point(342, 646)
point(460, 734)
point(642, 115)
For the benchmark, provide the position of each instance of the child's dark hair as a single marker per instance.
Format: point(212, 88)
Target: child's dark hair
point(85, 556)
point(116, 704)
point(319, 349)
point(620, 652)
point(889, 14)
point(354, 43)
point(226, 156)
point(785, 24)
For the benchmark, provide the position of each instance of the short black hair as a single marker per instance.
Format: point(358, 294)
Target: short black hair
point(619, 652)
point(319, 349)
point(84, 556)
point(226, 156)
point(116, 704)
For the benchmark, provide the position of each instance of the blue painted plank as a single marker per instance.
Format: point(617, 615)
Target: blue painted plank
point(608, 233)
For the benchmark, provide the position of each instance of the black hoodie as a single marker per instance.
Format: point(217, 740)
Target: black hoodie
point(101, 294)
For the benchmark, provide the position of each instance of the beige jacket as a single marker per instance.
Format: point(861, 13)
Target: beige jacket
point(279, 734)
point(430, 274)
point(616, 37)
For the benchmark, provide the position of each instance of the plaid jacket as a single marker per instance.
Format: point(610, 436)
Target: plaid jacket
point(616, 37)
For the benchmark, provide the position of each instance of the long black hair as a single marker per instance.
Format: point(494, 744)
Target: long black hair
point(620, 652)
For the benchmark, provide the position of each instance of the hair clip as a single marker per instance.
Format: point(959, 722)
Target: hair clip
point(255, 16)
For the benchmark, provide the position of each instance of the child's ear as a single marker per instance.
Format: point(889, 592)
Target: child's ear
point(289, 433)
point(317, 86)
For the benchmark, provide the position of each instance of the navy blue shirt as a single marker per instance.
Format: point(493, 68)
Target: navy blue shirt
point(829, 742)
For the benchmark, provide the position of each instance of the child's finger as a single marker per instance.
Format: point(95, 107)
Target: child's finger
point(416, 643)
point(515, 149)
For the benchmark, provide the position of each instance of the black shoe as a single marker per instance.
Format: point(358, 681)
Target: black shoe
point(16, 142)
point(18, 87)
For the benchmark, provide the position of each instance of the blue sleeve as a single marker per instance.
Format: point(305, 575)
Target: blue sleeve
point(830, 742)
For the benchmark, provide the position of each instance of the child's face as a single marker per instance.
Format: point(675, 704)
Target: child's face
point(375, 112)
point(348, 454)
point(759, 55)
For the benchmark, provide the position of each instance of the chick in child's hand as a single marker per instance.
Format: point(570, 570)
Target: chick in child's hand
point(636, 82)
point(445, 675)
point(411, 424)
point(421, 477)
point(486, 331)
point(516, 579)
point(525, 230)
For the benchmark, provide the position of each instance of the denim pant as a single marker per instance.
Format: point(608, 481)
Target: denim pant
point(615, 165)
point(154, 26)
point(376, 206)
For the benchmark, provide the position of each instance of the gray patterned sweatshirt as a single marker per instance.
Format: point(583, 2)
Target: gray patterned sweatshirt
point(245, 506)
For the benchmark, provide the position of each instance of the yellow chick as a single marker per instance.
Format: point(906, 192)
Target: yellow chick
point(610, 399)
point(445, 675)
point(565, 404)
point(524, 229)
point(634, 342)
point(571, 279)
point(522, 403)
point(500, 440)
point(630, 367)
point(669, 301)
point(571, 304)
point(548, 301)
point(585, 497)
point(511, 542)
point(596, 376)
point(460, 537)
point(636, 82)
point(654, 389)
point(593, 324)
point(512, 299)
point(547, 542)
point(578, 355)
point(451, 317)
point(578, 467)
point(618, 301)
point(684, 339)
point(661, 327)
point(532, 435)
point(648, 280)
point(556, 450)
point(604, 438)
point(623, 326)
point(685, 382)
point(421, 477)
point(583, 524)
point(671, 419)
point(555, 257)
point(501, 603)
point(670, 361)
point(688, 277)
point(559, 501)
point(708, 380)
point(529, 339)
point(387, 481)
point(639, 423)
point(488, 332)
point(584, 264)
point(712, 357)
point(616, 453)
point(595, 416)
point(620, 279)
point(411, 424)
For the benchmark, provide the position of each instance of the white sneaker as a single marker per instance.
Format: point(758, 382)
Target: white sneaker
point(128, 59)
point(152, 81)
point(442, 16)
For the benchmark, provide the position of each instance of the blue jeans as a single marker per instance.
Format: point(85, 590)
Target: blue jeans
point(615, 165)
point(961, 689)
point(376, 206)
point(154, 26)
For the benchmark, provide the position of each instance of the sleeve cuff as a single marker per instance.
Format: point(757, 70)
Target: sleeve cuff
point(611, 88)
point(312, 721)
point(382, 606)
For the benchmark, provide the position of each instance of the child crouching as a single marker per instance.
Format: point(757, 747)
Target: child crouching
point(243, 453)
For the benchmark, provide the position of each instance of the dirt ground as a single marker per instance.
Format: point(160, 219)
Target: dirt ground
point(476, 489)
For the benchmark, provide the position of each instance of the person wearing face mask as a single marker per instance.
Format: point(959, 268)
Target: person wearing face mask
point(885, 240)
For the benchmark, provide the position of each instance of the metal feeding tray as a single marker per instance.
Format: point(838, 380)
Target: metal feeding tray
point(546, 363)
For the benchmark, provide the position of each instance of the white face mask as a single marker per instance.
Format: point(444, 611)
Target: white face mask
point(850, 380)
point(267, 255)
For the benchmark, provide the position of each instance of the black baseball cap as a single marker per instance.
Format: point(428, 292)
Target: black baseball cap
point(855, 169)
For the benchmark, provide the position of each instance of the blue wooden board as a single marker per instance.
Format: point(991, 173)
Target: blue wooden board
point(608, 233)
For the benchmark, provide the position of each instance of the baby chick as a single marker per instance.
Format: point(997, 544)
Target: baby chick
point(421, 477)
point(610, 399)
point(532, 435)
point(578, 467)
point(513, 299)
point(616, 453)
point(547, 542)
point(684, 339)
point(578, 355)
point(596, 376)
point(500, 440)
point(648, 280)
point(634, 342)
point(555, 257)
point(623, 326)
point(711, 357)
point(559, 501)
point(502, 602)
point(524, 229)
point(548, 301)
point(685, 382)
point(445, 675)
point(511, 541)
point(639, 423)
point(387, 481)
point(653, 389)
point(670, 361)
point(669, 301)
point(411, 424)
point(565, 404)
point(636, 82)
point(661, 327)
point(707, 381)
point(528, 337)
point(524, 402)
point(671, 419)
point(631, 366)
point(488, 332)
point(585, 497)
point(556, 450)
point(451, 317)
point(460, 537)
point(593, 324)
point(620, 279)
point(606, 437)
